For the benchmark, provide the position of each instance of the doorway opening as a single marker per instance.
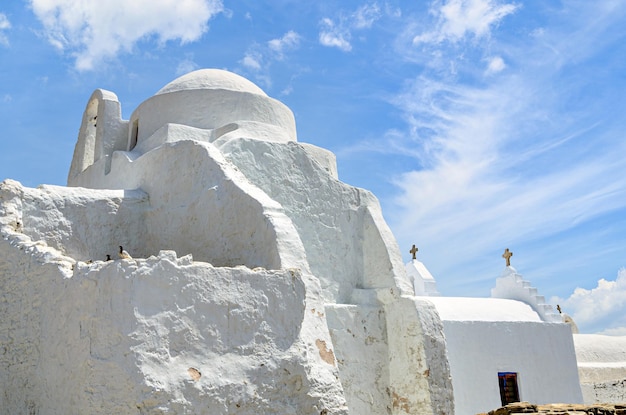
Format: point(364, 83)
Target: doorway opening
point(509, 392)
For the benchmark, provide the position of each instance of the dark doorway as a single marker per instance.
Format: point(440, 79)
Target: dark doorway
point(133, 136)
point(509, 392)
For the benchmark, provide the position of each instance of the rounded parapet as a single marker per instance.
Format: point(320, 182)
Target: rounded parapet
point(102, 132)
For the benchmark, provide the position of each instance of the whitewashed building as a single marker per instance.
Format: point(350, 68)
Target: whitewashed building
point(259, 282)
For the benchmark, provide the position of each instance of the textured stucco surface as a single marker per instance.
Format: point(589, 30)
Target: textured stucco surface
point(211, 171)
point(602, 367)
point(128, 337)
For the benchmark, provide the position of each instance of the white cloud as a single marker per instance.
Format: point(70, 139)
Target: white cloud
point(252, 60)
point(4, 25)
point(259, 57)
point(96, 31)
point(186, 66)
point(365, 16)
point(338, 33)
point(606, 301)
point(289, 41)
point(457, 19)
point(496, 64)
point(333, 36)
point(479, 186)
point(287, 91)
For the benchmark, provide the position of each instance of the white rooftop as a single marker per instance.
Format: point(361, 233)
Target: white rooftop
point(482, 309)
point(211, 79)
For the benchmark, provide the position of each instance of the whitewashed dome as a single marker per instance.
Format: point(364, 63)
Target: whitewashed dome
point(208, 79)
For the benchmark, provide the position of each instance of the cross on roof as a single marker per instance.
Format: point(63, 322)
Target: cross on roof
point(413, 251)
point(507, 255)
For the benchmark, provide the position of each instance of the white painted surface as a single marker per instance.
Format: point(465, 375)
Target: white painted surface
point(215, 99)
point(213, 171)
point(122, 337)
point(360, 339)
point(211, 79)
point(485, 336)
point(511, 285)
point(483, 309)
point(248, 171)
point(423, 281)
point(542, 354)
point(602, 367)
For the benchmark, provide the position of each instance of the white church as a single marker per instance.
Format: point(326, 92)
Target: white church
point(255, 282)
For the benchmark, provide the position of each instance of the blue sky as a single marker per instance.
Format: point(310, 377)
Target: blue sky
point(479, 124)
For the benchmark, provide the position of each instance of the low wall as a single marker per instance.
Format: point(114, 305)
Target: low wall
point(561, 409)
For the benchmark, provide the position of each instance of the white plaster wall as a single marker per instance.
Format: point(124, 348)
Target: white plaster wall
point(512, 286)
point(419, 372)
point(602, 367)
point(203, 205)
point(127, 337)
point(359, 336)
point(102, 132)
point(541, 353)
point(423, 281)
point(230, 185)
point(612, 391)
point(210, 109)
point(347, 242)
point(340, 228)
point(50, 214)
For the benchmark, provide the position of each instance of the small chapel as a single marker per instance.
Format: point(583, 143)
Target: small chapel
point(252, 281)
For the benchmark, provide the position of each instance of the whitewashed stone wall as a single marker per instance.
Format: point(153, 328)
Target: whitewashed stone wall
point(278, 240)
point(159, 335)
point(602, 367)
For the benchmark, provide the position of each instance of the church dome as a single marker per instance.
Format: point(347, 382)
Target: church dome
point(208, 79)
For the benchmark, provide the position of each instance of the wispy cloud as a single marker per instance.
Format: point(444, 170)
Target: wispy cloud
point(252, 59)
point(4, 25)
point(333, 35)
point(495, 64)
point(338, 33)
point(504, 157)
point(185, 66)
point(289, 41)
point(94, 32)
point(365, 16)
point(259, 57)
point(457, 19)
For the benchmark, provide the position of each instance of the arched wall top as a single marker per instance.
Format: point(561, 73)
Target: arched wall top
point(101, 132)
